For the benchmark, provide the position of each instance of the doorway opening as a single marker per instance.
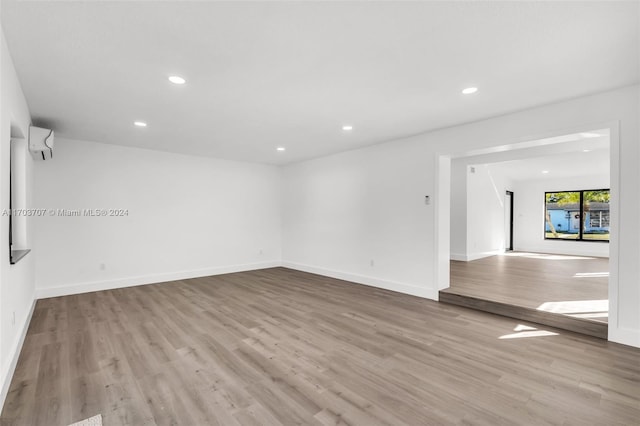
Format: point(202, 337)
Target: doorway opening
point(508, 221)
point(502, 258)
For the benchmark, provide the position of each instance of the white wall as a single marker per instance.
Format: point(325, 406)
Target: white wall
point(343, 210)
point(485, 212)
point(477, 211)
point(187, 216)
point(458, 243)
point(529, 216)
point(16, 281)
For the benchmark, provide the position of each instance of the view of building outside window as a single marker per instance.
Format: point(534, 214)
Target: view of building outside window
point(577, 215)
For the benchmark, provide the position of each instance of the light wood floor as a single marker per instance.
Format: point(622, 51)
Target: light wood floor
point(277, 346)
point(571, 285)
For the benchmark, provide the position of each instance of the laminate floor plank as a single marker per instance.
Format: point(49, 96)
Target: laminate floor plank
point(575, 286)
point(280, 347)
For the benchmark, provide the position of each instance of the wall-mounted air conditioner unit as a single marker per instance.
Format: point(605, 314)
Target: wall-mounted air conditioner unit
point(41, 143)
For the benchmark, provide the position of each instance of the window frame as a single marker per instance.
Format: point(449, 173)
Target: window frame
point(581, 205)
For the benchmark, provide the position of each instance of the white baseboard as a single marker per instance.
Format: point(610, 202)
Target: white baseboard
point(45, 292)
point(625, 336)
point(481, 255)
point(414, 290)
point(14, 354)
point(474, 256)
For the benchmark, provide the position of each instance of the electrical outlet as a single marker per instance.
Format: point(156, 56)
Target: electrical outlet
point(372, 263)
point(103, 266)
point(261, 252)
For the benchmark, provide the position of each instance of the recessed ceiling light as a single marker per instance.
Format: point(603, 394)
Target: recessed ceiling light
point(545, 171)
point(347, 128)
point(470, 90)
point(140, 123)
point(586, 150)
point(176, 79)
point(281, 148)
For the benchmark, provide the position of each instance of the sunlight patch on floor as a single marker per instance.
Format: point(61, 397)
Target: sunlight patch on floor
point(522, 327)
point(524, 331)
point(576, 306)
point(591, 275)
point(590, 315)
point(546, 256)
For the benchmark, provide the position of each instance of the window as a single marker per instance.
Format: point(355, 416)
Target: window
point(577, 215)
point(599, 219)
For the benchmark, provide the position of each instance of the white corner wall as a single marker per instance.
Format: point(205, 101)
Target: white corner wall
point(485, 212)
point(186, 217)
point(16, 281)
point(344, 211)
point(458, 242)
point(529, 216)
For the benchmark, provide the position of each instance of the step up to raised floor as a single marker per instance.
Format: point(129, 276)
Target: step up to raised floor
point(564, 322)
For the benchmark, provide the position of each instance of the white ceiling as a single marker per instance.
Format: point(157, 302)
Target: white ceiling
point(261, 75)
point(568, 156)
point(563, 165)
